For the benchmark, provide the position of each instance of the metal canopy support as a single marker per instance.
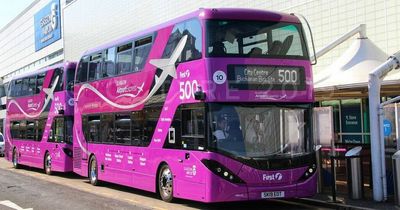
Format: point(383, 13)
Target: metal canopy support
point(361, 30)
point(376, 122)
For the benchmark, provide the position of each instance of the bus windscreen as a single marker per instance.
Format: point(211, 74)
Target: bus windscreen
point(232, 38)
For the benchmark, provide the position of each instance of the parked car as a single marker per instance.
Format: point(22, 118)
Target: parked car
point(1, 145)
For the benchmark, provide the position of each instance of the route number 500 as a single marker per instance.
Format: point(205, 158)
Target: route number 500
point(187, 89)
point(287, 76)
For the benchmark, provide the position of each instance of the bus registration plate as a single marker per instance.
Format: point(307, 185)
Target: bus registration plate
point(276, 194)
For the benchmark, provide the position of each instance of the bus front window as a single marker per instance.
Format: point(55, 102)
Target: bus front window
point(232, 38)
point(260, 131)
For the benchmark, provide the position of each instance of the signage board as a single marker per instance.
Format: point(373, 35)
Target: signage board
point(351, 123)
point(262, 77)
point(47, 24)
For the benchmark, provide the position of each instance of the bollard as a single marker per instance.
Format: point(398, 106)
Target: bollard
point(396, 176)
point(354, 172)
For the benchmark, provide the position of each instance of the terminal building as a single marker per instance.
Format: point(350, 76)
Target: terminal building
point(52, 31)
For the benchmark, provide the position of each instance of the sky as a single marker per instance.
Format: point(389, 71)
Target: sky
point(9, 9)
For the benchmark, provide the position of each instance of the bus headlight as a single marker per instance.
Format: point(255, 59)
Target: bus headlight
point(309, 172)
point(221, 171)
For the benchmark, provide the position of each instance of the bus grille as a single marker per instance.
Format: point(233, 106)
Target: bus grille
point(77, 157)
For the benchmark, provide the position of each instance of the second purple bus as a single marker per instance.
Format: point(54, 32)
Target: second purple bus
point(39, 119)
point(213, 106)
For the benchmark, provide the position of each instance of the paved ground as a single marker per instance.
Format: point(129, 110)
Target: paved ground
point(31, 188)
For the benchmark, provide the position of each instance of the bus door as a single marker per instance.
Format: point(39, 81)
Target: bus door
point(32, 145)
point(61, 137)
point(188, 136)
point(123, 152)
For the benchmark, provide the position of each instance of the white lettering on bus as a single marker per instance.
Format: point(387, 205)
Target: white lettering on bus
point(184, 74)
point(187, 89)
point(272, 177)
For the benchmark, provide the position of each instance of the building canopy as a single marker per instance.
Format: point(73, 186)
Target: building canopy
point(347, 76)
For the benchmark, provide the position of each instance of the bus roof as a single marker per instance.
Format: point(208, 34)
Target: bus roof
point(205, 13)
point(63, 64)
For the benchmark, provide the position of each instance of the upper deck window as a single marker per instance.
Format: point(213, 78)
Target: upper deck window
point(82, 73)
point(192, 49)
point(58, 73)
point(142, 50)
point(108, 69)
point(124, 58)
point(232, 38)
point(32, 84)
point(39, 82)
point(95, 66)
point(70, 79)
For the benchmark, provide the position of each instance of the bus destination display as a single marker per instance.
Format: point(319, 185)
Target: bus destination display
point(258, 77)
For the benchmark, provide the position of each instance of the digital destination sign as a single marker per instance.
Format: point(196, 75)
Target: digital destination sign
point(260, 77)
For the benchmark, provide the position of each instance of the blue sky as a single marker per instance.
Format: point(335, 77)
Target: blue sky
point(9, 9)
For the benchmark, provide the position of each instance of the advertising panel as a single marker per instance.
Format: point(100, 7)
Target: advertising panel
point(47, 25)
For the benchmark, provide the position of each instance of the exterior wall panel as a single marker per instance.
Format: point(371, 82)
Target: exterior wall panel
point(17, 43)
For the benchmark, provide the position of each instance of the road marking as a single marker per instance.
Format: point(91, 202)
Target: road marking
point(13, 205)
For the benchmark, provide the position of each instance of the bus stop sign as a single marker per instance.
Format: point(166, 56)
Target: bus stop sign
point(387, 127)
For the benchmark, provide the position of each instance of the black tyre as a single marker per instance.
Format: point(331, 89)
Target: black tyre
point(165, 183)
point(93, 172)
point(15, 159)
point(47, 164)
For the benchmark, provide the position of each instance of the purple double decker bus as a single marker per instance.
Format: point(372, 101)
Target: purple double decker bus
point(39, 119)
point(213, 106)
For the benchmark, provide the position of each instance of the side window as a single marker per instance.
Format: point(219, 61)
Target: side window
point(192, 49)
point(124, 58)
point(193, 123)
point(69, 126)
point(70, 79)
point(142, 50)
point(31, 130)
point(58, 73)
point(107, 128)
point(22, 130)
point(188, 128)
point(39, 82)
point(137, 128)
point(57, 130)
point(108, 69)
point(81, 75)
point(152, 114)
point(32, 85)
point(95, 67)
point(11, 89)
point(15, 129)
point(92, 129)
point(123, 129)
point(193, 128)
point(25, 86)
point(174, 139)
point(18, 87)
point(40, 128)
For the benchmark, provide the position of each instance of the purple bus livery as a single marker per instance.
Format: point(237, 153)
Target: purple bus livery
point(39, 119)
point(213, 106)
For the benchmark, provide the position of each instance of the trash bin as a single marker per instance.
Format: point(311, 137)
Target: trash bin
point(354, 173)
point(396, 176)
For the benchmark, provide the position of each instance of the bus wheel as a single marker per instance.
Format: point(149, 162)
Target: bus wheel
point(93, 172)
point(165, 183)
point(47, 164)
point(15, 159)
